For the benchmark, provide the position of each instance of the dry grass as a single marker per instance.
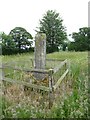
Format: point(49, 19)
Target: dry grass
point(70, 99)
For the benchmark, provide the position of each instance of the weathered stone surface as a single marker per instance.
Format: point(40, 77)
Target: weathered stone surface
point(40, 52)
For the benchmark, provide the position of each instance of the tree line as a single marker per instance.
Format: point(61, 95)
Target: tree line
point(81, 40)
point(19, 40)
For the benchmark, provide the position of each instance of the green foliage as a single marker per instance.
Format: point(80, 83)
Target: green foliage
point(7, 44)
point(51, 25)
point(73, 105)
point(21, 37)
point(81, 40)
point(18, 41)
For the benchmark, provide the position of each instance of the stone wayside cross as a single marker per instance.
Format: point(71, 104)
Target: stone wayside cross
point(40, 52)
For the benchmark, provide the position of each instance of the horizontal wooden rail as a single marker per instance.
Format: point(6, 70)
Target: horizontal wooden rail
point(60, 80)
point(17, 61)
point(54, 59)
point(26, 84)
point(26, 70)
point(60, 66)
point(49, 59)
point(32, 59)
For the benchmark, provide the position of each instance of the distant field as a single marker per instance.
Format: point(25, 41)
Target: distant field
point(74, 105)
point(59, 55)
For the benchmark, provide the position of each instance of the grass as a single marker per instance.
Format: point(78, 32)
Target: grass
point(71, 103)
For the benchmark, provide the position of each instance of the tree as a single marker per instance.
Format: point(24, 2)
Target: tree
point(71, 46)
point(21, 37)
point(64, 45)
point(81, 40)
point(7, 44)
point(51, 25)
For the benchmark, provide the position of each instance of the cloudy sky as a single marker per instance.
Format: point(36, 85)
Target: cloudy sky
point(27, 13)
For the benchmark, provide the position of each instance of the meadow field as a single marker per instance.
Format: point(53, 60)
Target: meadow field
point(73, 104)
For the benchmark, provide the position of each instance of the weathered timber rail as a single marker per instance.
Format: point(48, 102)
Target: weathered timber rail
point(60, 80)
point(50, 73)
point(26, 84)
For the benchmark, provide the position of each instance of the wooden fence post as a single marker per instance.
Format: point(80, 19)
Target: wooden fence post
point(51, 96)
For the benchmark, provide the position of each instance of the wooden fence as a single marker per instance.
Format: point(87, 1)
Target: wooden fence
point(52, 86)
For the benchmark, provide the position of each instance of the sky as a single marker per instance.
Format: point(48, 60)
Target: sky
point(27, 13)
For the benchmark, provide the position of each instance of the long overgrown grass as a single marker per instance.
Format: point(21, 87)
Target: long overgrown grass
point(72, 104)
